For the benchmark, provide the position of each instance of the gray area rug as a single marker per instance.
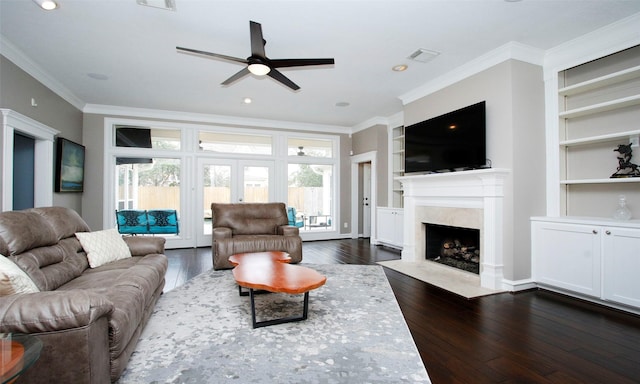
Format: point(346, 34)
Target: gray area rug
point(355, 333)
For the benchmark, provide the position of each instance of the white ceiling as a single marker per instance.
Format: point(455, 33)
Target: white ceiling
point(134, 47)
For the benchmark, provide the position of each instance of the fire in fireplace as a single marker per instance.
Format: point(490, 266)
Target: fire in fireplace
point(453, 246)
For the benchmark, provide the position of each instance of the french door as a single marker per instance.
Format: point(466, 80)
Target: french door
point(229, 181)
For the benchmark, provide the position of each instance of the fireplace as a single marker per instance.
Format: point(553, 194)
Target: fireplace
point(468, 199)
point(456, 247)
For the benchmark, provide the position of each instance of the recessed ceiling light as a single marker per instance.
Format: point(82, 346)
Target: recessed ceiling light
point(400, 68)
point(342, 104)
point(48, 5)
point(247, 100)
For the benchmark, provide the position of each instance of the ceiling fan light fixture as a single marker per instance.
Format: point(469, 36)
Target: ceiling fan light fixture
point(259, 69)
point(47, 5)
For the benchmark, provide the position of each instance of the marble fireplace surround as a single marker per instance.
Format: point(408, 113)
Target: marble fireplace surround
point(468, 199)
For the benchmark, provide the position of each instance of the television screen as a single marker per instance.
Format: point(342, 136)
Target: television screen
point(455, 141)
point(133, 137)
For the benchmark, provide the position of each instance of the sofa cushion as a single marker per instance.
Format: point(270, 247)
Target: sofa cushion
point(250, 218)
point(103, 247)
point(13, 279)
point(129, 284)
point(24, 230)
point(223, 248)
point(64, 221)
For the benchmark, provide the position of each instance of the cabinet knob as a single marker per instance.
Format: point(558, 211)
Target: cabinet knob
point(608, 232)
point(595, 232)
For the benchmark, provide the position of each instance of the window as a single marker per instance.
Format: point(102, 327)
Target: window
point(147, 137)
point(310, 193)
point(151, 185)
point(223, 142)
point(309, 147)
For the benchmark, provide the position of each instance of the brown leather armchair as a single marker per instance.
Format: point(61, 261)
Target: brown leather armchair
point(252, 227)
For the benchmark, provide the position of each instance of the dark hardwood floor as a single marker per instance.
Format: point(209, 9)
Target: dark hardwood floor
point(530, 337)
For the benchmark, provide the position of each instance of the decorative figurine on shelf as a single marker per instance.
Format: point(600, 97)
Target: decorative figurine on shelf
point(625, 167)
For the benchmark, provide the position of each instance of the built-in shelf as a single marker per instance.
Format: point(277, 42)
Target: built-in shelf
point(601, 107)
point(612, 78)
point(396, 146)
point(595, 139)
point(602, 181)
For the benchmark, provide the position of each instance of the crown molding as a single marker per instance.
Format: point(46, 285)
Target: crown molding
point(394, 120)
point(604, 41)
point(378, 120)
point(15, 55)
point(114, 110)
point(511, 50)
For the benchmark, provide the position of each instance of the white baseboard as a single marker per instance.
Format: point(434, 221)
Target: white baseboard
point(518, 285)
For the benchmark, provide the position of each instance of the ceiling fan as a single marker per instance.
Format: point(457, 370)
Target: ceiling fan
point(258, 63)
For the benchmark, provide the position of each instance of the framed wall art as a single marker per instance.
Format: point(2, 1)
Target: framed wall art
point(69, 166)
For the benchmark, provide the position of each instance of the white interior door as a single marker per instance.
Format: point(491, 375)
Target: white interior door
point(366, 200)
point(229, 181)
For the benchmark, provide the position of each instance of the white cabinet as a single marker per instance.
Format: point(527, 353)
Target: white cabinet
point(594, 258)
point(567, 256)
point(621, 266)
point(390, 224)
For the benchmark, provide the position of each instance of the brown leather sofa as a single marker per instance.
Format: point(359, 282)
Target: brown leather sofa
point(88, 319)
point(252, 227)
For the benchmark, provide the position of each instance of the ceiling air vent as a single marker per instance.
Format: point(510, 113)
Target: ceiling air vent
point(169, 5)
point(423, 55)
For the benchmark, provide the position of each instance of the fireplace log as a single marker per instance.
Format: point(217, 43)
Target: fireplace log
point(456, 249)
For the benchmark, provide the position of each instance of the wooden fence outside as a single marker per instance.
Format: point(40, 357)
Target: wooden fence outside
point(305, 200)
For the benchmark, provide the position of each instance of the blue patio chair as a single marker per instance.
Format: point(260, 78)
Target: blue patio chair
point(163, 221)
point(132, 221)
point(291, 214)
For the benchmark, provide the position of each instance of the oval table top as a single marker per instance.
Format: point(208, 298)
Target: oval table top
point(271, 272)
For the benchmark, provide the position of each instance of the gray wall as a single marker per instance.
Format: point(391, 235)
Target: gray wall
point(514, 92)
point(17, 88)
point(375, 138)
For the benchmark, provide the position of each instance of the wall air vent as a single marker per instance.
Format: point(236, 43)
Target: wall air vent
point(423, 55)
point(169, 5)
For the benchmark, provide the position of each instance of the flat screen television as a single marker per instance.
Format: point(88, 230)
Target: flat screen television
point(455, 141)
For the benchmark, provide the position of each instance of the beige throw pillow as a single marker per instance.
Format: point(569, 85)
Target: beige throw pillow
point(103, 247)
point(13, 279)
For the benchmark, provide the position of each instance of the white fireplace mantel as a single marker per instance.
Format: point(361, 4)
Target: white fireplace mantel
point(473, 198)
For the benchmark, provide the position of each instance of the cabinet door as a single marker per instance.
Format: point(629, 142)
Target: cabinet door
point(621, 263)
point(398, 237)
point(386, 223)
point(567, 256)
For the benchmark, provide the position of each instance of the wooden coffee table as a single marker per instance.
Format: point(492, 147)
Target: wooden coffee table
point(270, 271)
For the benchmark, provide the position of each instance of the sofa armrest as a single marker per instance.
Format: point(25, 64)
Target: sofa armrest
point(145, 245)
point(287, 230)
point(52, 311)
point(221, 233)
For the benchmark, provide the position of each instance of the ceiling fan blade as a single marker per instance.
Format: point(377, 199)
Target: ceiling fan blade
point(216, 55)
point(257, 41)
point(243, 72)
point(276, 75)
point(282, 63)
